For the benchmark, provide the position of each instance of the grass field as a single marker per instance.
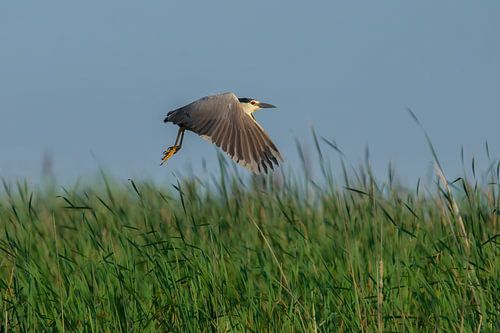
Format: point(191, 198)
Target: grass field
point(339, 254)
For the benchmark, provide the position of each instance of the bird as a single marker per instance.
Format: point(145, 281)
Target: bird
point(228, 122)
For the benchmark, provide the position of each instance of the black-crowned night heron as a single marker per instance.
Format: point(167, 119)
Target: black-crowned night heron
point(228, 122)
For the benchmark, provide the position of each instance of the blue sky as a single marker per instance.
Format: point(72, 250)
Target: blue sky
point(89, 82)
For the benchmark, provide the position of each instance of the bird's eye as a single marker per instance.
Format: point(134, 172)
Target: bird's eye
point(252, 102)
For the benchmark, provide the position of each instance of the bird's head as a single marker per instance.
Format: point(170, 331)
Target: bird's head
point(251, 105)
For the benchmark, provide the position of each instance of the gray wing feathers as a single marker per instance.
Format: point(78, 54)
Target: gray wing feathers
point(221, 120)
point(254, 149)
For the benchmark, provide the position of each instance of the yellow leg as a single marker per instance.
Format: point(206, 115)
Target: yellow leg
point(175, 148)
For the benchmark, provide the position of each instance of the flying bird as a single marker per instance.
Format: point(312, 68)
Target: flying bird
point(228, 122)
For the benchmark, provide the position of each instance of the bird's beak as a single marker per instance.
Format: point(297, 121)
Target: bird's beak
point(266, 106)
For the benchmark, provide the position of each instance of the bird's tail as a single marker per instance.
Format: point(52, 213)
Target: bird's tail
point(177, 117)
point(169, 116)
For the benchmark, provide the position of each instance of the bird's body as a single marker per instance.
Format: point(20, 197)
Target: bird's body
point(228, 122)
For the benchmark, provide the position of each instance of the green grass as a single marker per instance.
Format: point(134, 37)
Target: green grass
point(339, 254)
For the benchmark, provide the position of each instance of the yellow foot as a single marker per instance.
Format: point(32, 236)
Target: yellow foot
point(169, 153)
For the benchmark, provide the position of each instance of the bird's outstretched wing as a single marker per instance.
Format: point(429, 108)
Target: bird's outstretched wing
point(221, 120)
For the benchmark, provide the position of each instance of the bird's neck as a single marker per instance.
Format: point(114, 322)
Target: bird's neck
point(249, 108)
